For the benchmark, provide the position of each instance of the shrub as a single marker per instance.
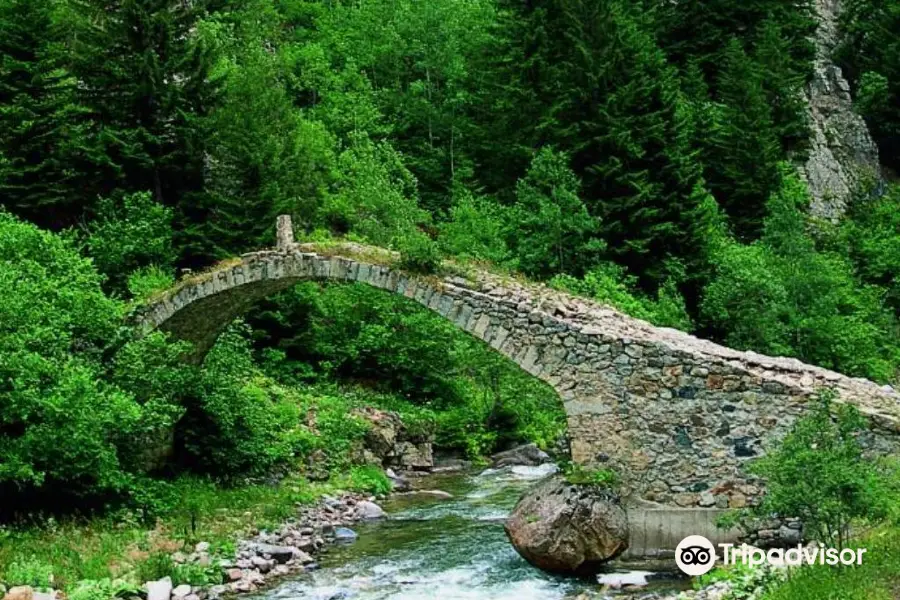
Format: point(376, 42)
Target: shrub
point(129, 233)
point(241, 423)
point(102, 589)
point(579, 475)
point(784, 297)
point(377, 197)
point(819, 474)
point(369, 479)
point(146, 281)
point(476, 229)
point(65, 426)
point(31, 571)
point(609, 284)
point(419, 253)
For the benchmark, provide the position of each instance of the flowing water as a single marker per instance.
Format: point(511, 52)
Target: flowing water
point(445, 549)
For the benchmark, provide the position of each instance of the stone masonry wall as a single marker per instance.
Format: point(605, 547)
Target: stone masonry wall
point(675, 415)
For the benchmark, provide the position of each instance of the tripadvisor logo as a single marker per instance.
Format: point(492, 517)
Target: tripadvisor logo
point(696, 555)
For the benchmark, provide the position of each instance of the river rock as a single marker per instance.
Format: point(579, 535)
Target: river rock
point(264, 565)
point(398, 483)
point(159, 590)
point(281, 554)
point(566, 528)
point(441, 494)
point(369, 510)
point(344, 534)
point(22, 592)
point(412, 455)
point(529, 455)
point(182, 591)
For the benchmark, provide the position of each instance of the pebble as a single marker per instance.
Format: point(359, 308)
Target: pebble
point(159, 590)
point(345, 534)
point(182, 591)
point(369, 510)
point(267, 554)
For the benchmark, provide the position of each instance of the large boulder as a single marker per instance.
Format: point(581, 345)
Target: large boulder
point(566, 528)
point(528, 455)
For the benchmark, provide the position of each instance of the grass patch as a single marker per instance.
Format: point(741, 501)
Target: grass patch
point(124, 550)
point(191, 279)
point(579, 475)
point(878, 578)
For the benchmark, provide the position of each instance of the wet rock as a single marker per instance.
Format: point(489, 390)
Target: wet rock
point(159, 590)
point(566, 528)
point(264, 565)
point(450, 465)
point(528, 455)
point(216, 591)
point(398, 483)
point(369, 510)
point(344, 534)
point(243, 586)
point(435, 493)
point(281, 554)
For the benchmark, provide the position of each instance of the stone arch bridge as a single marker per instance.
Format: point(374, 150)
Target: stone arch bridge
point(675, 415)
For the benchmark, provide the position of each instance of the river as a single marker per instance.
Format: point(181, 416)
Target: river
point(446, 549)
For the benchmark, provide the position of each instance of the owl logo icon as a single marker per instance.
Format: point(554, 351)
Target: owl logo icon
point(695, 555)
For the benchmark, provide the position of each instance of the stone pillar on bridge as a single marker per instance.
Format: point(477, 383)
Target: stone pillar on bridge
point(284, 233)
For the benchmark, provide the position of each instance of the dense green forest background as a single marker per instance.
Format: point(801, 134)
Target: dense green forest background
point(638, 152)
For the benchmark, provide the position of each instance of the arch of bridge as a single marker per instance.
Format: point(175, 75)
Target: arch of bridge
point(675, 415)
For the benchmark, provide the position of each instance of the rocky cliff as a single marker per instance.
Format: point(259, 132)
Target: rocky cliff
point(842, 153)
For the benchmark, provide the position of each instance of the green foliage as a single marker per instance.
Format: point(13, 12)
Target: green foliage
point(419, 253)
point(819, 474)
point(870, 55)
point(873, 238)
point(744, 581)
point(49, 151)
point(131, 234)
point(196, 575)
point(146, 281)
point(377, 195)
point(338, 431)
point(783, 296)
point(102, 589)
point(266, 158)
point(875, 579)
point(356, 332)
point(476, 229)
point(30, 571)
point(607, 283)
point(744, 146)
point(241, 423)
point(579, 475)
point(368, 479)
point(66, 429)
point(551, 230)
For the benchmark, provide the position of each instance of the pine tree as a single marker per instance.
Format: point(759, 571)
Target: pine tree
point(146, 78)
point(742, 161)
point(699, 30)
point(613, 102)
point(48, 173)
